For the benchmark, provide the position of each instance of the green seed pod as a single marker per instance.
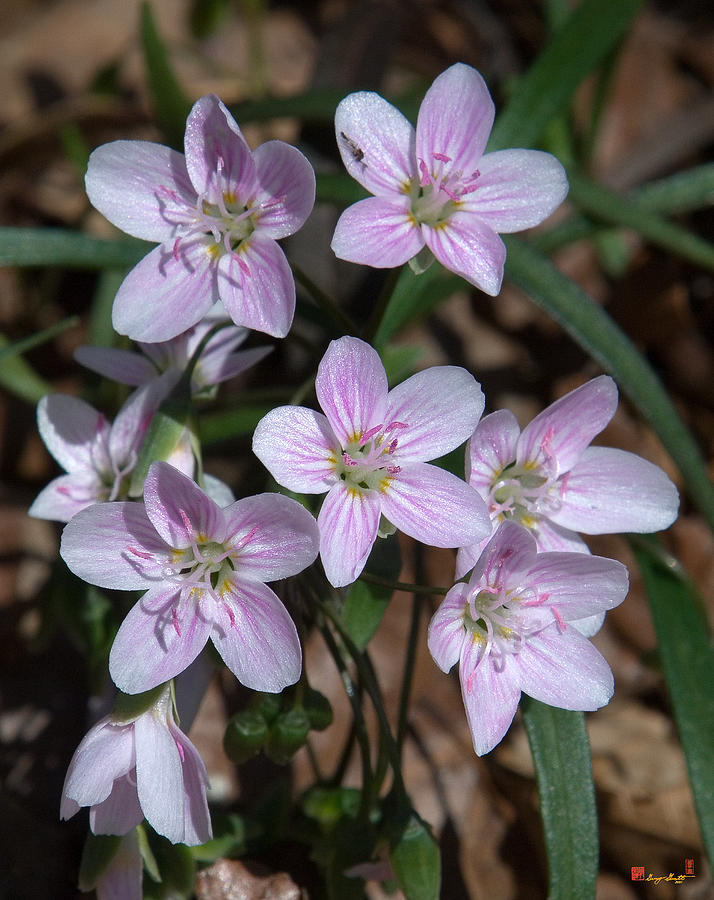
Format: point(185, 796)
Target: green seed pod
point(267, 705)
point(318, 709)
point(287, 734)
point(245, 735)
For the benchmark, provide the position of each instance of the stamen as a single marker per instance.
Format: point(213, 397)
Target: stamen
point(560, 621)
point(442, 157)
point(140, 553)
point(368, 434)
point(181, 751)
point(425, 176)
point(246, 539)
point(175, 620)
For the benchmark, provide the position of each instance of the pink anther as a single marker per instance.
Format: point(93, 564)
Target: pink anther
point(370, 433)
point(175, 620)
point(442, 157)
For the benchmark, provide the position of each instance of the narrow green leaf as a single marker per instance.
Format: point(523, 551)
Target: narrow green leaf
point(58, 247)
point(561, 756)
point(616, 209)
point(680, 193)
point(171, 106)
point(19, 378)
point(415, 296)
point(589, 34)
point(685, 648)
point(35, 340)
point(591, 327)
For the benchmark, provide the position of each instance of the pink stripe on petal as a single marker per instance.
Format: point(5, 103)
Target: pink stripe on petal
point(160, 637)
point(490, 692)
point(256, 637)
point(351, 387)
point(178, 508)
point(564, 669)
point(67, 495)
point(467, 246)
point(286, 192)
point(455, 119)
point(281, 537)
point(256, 286)
point(517, 189)
point(96, 546)
point(348, 523)
point(377, 232)
point(181, 288)
point(141, 187)
point(435, 507)
point(376, 143)
point(578, 584)
point(564, 429)
point(611, 490)
point(298, 448)
point(218, 158)
point(440, 407)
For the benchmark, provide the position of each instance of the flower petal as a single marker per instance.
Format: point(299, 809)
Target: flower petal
point(281, 537)
point(351, 387)
point(467, 246)
point(167, 292)
point(214, 368)
point(105, 753)
point(74, 432)
point(171, 498)
point(551, 537)
point(558, 435)
point(440, 406)
point(133, 419)
point(67, 495)
point(160, 637)
point(298, 447)
point(446, 629)
point(491, 448)
point(455, 119)
point(348, 523)
point(159, 778)
point(578, 585)
point(218, 159)
point(97, 546)
point(435, 507)
point(564, 669)
point(256, 286)
point(509, 555)
point(517, 189)
point(377, 232)
point(142, 188)
point(257, 638)
point(491, 693)
point(120, 812)
point(123, 366)
point(197, 820)
point(611, 490)
point(376, 143)
point(467, 557)
point(286, 192)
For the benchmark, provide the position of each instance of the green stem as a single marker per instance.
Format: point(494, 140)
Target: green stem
point(369, 679)
point(368, 578)
point(409, 661)
point(324, 301)
point(358, 718)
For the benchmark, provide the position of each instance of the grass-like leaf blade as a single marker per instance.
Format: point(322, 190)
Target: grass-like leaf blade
point(59, 247)
point(589, 34)
point(687, 655)
point(561, 757)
